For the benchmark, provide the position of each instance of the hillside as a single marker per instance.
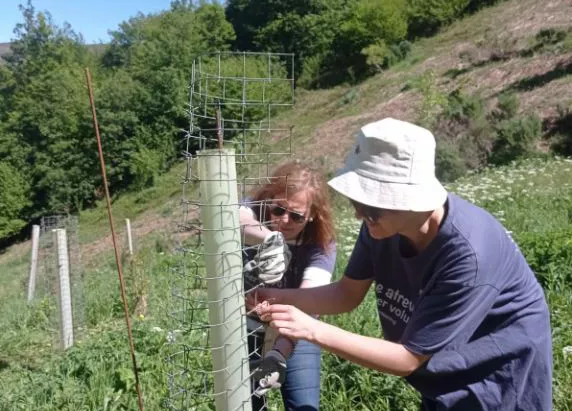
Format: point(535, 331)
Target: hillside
point(484, 54)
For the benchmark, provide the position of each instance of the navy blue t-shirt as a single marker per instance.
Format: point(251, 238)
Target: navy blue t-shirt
point(471, 302)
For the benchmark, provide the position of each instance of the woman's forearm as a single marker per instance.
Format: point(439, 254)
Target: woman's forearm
point(374, 353)
point(253, 231)
point(335, 298)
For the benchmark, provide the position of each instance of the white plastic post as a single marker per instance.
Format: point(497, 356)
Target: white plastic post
point(65, 290)
point(34, 263)
point(129, 240)
point(223, 258)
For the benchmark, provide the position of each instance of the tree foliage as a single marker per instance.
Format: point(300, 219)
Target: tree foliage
point(140, 82)
point(332, 39)
point(307, 28)
point(45, 126)
point(48, 153)
point(427, 16)
point(371, 27)
point(13, 199)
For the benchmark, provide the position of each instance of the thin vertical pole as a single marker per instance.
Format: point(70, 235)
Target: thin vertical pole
point(65, 289)
point(219, 130)
point(34, 262)
point(115, 247)
point(129, 239)
point(223, 260)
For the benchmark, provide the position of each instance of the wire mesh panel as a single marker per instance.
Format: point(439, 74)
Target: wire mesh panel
point(48, 283)
point(235, 137)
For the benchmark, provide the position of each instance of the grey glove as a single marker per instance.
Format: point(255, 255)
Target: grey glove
point(270, 372)
point(270, 262)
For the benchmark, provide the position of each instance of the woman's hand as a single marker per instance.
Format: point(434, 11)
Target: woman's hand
point(261, 295)
point(289, 321)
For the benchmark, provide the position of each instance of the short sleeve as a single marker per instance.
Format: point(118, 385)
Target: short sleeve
point(248, 210)
point(450, 313)
point(360, 265)
point(321, 266)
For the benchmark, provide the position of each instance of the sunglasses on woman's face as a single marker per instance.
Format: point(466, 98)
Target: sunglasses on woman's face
point(279, 211)
point(369, 213)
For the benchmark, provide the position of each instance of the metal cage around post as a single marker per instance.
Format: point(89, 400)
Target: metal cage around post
point(235, 138)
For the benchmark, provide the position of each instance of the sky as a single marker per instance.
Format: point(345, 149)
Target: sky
point(93, 19)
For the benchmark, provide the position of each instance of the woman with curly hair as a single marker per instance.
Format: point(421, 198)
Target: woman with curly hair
point(292, 212)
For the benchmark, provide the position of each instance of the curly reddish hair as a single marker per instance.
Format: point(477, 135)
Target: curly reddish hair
point(293, 177)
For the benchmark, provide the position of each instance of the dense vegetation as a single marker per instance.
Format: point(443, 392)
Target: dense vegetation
point(47, 144)
point(533, 198)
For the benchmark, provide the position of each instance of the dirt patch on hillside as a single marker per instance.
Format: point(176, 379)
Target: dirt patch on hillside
point(333, 139)
point(531, 16)
point(541, 82)
point(146, 224)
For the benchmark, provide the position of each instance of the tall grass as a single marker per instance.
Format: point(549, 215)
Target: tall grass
point(532, 198)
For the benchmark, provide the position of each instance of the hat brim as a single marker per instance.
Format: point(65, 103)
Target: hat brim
point(389, 195)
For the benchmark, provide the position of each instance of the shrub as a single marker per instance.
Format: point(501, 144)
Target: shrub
point(376, 55)
point(448, 163)
point(515, 138)
point(370, 21)
point(380, 56)
point(561, 130)
point(311, 73)
point(476, 5)
point(463, 107)
point(464, 124)
point(426, 17)
point(477, 143)
point(507, 106)
point(350, 97)
point(432, 99)
point(550, 36)
point(145, 166)
point(366, 33)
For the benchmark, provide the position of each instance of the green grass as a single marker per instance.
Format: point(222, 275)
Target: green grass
point(533, 198)
point(162, 197)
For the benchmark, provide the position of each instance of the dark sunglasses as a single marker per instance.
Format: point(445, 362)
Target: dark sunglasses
point(279, 211)
point(369, 213)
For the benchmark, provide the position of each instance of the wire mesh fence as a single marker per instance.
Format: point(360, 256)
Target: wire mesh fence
point(235, 138)
point(48, 286)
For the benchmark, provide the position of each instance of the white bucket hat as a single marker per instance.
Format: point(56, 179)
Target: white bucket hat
point(392, 166)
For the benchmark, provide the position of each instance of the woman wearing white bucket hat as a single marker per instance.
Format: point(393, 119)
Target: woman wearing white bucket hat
point(463, 316)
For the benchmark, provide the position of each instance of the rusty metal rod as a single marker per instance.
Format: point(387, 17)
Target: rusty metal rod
point(114, 238)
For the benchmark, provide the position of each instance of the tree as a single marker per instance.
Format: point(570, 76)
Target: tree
point(14, 191)
point(306, 28)
point(366, 37)
point(427, 16)
point(372, 20)
point(143, 101)
point(44, 131)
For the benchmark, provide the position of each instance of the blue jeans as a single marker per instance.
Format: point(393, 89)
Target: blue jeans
point(301, 390)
